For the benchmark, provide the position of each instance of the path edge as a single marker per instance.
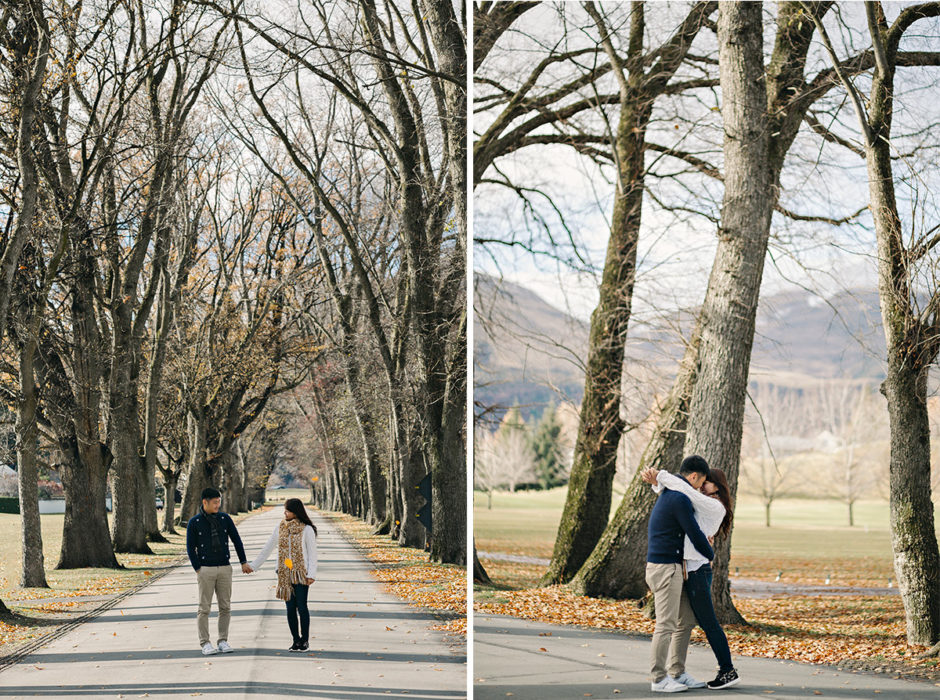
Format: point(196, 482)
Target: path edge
point(27, 649)
point(452, 639)
point(15, 657)
point(843, 666)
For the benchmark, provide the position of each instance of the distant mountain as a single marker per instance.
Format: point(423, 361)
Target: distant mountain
point(526, 351)
point(529, 353)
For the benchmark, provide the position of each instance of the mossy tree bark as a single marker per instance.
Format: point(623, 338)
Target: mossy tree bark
point(600, 427)
point(912, 347)
point(716, 409)
point(617, 566)
point(616, 561)
point(912, 336)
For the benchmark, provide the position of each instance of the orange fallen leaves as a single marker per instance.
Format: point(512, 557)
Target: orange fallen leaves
point(865, 630)
point(410, 575)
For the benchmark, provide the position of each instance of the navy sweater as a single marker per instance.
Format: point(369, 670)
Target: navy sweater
point(199, 541)
point(672, 518)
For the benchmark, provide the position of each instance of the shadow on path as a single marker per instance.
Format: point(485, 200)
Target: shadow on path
point(223, 688)
point(40, 658)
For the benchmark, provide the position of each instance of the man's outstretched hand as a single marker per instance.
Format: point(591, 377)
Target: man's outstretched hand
point(246, 569)
point(649, 475)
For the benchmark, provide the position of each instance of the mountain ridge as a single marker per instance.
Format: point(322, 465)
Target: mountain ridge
point(529, 353)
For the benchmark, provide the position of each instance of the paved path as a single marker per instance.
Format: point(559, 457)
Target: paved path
point(364, 642)
point(579, 662)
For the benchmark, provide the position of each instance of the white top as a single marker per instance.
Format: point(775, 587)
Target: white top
point(309, 545)
point(709, 513)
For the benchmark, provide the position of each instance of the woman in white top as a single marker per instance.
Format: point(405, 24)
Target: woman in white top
point(296, 539)
point(713, 508)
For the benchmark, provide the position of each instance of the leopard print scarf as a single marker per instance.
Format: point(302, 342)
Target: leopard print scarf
point(291, 568)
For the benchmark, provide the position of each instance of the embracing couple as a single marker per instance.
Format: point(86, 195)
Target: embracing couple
point(207, 537)
point(691, 509)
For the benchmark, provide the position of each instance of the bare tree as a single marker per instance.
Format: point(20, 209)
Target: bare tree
point(412, 113)
point(25, 45)
point(854, 420)
point(777, 433)
point(642, 77)
point(912, 334)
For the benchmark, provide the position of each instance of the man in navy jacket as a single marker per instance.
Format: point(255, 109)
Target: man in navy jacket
point(207, 536)
point(671, 520)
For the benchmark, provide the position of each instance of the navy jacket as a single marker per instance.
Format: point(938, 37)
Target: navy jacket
point(671, 520)
point(199, 541)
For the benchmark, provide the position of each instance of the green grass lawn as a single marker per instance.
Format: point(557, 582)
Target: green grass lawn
point(11, 547)
point(808, 540)
point(11, 559)
point(281, 495)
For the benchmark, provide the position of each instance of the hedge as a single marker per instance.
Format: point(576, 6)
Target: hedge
point(9, 504)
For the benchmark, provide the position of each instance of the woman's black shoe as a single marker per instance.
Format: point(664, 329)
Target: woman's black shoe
point(725, 679)
point(302, 646)
point(295, 647)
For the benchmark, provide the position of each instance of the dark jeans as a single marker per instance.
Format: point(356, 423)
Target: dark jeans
point(297, 607)
point(698, 588)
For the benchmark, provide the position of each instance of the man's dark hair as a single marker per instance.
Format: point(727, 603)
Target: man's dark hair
point(210, 493)
point(693, 464)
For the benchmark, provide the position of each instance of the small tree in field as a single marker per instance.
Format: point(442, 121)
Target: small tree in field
point(855, 421)
point(514, 450)
point(486, 473)
point(549, 467)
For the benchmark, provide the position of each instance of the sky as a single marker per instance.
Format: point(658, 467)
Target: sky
point(676, 249)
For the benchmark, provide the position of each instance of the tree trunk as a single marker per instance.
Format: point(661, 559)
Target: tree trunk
point(410, 531)
point(449, 482)
point(851, 513)
point(170, 481)
point(394, 495)
point(233, 482)
point(766, 513)
point(600, 427)
point(479, 573)
point(913, 537)
point(86, 540)
point(728, 315)
point(148, 496)
point(34, 571)
point(199, 477)
point(375, 481)
point(35, 46)
point(129, 531)
point(617, 566)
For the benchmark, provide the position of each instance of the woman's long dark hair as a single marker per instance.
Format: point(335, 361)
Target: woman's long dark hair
point(296, 506)
point(718, 478)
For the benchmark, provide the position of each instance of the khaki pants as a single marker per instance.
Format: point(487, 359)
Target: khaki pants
point(218, 580)
point(674, 620)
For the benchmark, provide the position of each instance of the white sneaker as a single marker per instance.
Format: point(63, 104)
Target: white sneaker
point(685, 679)
point(225, 648)
point(667, 685)
point(208, 649)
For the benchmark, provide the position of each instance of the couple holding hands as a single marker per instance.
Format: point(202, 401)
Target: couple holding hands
point(207, 537)
point(692, 508)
